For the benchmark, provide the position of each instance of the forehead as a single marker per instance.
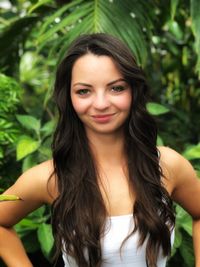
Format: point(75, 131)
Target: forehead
point(92, 67)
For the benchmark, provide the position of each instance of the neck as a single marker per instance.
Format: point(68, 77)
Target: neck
point(107, 149)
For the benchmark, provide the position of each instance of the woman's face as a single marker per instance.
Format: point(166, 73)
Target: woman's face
point(100, 95)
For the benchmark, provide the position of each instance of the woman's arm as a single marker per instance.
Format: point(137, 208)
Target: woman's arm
point(196, 241)
point(34, 190)
point(185, 190)
point(12, 251)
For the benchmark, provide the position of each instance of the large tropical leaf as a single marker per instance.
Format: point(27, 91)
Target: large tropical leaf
point(129, 20)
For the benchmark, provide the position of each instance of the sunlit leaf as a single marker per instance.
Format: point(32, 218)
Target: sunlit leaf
point(26, 146)
point(175, 29)
point(192, 152)
point(180, 212)
point(27, 224)
point(187, 225)
point(8, 197)
point(45, 238)
point(178, 238)
point(184, 220)
point(157, 109)
point(29, 122)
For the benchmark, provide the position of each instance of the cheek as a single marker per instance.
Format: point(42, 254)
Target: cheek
point(125, 103)
point(80, 105)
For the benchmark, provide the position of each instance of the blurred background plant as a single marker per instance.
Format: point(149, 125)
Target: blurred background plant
point(34, 35)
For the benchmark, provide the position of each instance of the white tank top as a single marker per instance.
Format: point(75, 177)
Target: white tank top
point(117, 229)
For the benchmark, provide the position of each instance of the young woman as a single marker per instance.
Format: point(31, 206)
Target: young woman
point(110, 187)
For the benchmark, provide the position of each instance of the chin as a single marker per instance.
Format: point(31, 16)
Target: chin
point(105, 130)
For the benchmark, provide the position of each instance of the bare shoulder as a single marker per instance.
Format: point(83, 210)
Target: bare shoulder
point(175, 163)
point(169, 159)
point(35, 187)
point(169, 155)
point(40, 172)
point(182, 178)
point(37, 183)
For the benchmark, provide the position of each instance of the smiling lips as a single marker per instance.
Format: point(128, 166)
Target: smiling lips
point(102, 118)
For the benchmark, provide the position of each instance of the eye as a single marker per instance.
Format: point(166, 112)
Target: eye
point(83, 92)
point(118, 88)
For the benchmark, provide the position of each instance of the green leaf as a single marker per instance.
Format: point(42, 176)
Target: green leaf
point(45, 238)
point(51, 19)
point(30, 242)
point(9, 132)
point(180, 212)
point(174, 4)
point(159, 141)
point(26, 146)
point(26, 225)
point(31, 222)
point(96, 16)
point(195, 14)
point(135, 20)
point(11, 38)
point(29, 162)
point(187, 225)
point(48, 128)
point(157, 109)
point(69, 20)
point(45, 151)
point(178, 238)
point(184, 220)
point(193, 152)
point(37, 214)
point(29, 122)
point(1, 153)
point(10, 94)
point(186, 250)
point(38, 4)
point(32, 70)
point(175, 29)
point(8, 198)
point(177, 241)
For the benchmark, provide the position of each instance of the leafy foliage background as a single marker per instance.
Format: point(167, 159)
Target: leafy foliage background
point(34, 35)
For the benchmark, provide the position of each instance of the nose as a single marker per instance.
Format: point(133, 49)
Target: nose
point(101, 101)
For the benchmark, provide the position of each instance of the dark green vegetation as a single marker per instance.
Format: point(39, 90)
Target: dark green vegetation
point(165, 37)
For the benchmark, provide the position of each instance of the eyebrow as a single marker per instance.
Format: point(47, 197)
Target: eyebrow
point(110, 83)
point(115, 81)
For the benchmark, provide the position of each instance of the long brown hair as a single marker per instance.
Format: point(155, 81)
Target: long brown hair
point(79, 213)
